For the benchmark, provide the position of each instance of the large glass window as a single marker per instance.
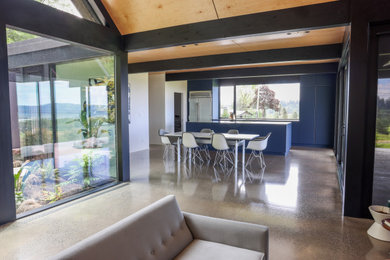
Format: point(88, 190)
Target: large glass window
point(381, 181)
point(63, 5)
point(62, 118)
point(226, 102)
point(260, 102)
point(83, 9)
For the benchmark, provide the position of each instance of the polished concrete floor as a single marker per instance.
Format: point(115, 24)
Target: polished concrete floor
point(297, 197)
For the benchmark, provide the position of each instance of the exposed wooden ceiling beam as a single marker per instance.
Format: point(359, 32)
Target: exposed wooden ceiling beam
point(300, 18)
point(290, 70)
point(267, 56)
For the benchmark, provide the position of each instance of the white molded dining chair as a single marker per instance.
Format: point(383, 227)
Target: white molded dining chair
point(167, 142)
point(189, 142)
point(232, 144)
point(258, 145)
point(233, 132)
point(207, 130)
point(205, 143)
point(223, 154)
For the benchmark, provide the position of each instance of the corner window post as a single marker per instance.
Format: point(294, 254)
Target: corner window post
point(7, 197)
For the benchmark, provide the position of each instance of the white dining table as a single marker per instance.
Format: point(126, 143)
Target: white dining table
point(239, 140)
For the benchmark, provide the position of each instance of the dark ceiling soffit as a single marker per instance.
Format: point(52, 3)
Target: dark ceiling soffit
point(278, 55)
point(289, 70)
point(310, 17)
point(45, 20)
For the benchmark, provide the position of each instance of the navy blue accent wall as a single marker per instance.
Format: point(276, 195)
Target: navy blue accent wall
point(198, 85)
point(317, 111)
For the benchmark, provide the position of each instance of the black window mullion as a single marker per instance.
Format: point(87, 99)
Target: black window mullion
point(234, 102)
point(7, 193)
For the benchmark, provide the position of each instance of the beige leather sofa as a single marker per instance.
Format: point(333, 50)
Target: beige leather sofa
point(162, 231)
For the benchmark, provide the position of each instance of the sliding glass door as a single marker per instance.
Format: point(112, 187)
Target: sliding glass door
point(381, 181)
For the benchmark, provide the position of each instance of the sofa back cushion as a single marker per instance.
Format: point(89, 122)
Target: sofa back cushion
point(156, 232)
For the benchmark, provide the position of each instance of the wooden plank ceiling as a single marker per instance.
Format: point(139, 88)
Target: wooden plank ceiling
point(131, 16)
point(243, 44)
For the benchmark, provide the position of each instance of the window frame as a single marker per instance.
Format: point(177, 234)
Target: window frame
point(45, 20)
point(87, 10)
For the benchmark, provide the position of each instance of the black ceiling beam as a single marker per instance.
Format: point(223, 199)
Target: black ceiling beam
point(259, 80)
point(278, 55)
point(289, 70)
point(33, 16)
point(53, 55)
point(109, 22)
point(310, 17)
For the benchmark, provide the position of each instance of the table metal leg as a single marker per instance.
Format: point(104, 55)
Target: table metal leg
point(235, 182)
point(243, 160)
point(178, 149)
point(236, 155)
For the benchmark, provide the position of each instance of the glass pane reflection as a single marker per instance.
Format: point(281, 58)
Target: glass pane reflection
point(63, 120)
point(381, 191)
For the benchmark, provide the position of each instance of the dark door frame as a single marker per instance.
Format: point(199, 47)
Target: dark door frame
point(180, 94)
point(376, 32)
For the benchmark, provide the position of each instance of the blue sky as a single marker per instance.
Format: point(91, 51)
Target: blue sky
point(27, 95)
point(384, 88)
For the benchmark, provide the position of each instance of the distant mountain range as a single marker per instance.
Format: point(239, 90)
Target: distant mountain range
point(63, 110)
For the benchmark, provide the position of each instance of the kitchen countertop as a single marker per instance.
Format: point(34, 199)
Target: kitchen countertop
point(245, 122)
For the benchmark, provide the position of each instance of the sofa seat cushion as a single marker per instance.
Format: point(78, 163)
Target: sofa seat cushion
point(204, 250)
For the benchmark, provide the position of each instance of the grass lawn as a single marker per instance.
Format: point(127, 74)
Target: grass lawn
point(382, 140)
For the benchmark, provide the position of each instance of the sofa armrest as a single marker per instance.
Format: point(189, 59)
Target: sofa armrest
point(229, 232)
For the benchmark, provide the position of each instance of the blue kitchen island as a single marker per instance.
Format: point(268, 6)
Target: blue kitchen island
point(279, 142)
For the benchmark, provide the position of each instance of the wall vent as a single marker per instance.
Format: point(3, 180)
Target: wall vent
point(200, 94)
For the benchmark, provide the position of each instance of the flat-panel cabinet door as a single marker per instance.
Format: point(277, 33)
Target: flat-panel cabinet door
point(204, 109)
point(193, 117)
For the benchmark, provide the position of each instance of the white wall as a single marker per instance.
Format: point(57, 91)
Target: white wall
point(172, 87)
point(156, 106)
point(139, 112)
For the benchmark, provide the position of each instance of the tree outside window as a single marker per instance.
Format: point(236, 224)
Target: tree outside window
point(262, 101)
